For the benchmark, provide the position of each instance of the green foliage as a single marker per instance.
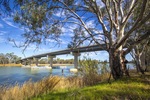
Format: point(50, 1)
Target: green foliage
point(104, 68)
point(37, 17)
point(88, 66)
point(134, 88)
point(75, 39)
point(34, 14)
point(9, 58)
point(89, 71)
point(5, 6)
point(3, 59)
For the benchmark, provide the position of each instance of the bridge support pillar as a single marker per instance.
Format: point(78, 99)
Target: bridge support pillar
point(36, 61)
point(50, 60)
point(76, 59)
point(30, 61)
point(24, 62)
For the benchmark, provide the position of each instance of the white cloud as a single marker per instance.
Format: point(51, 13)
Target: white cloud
point(16, 42)
point(90, 24)
point(1, 40)
point(60, 13)
point(1, 25)
point(31, 47)
point(44, 50)
point(98, 31)
point(98, 55)
point(3, 32)
point(19, 43)
point(61, 41)
point(100, 3)
point(9, 21)
point(64, 41)
point(51, 40)
point(68, 29)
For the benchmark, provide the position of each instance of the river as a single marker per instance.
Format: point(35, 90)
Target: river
point(19, 75)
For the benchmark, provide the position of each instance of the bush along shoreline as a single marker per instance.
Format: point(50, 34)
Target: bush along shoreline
point(88, 84)
point(133, 88)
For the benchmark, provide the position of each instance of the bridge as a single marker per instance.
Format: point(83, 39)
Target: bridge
point(75, 52)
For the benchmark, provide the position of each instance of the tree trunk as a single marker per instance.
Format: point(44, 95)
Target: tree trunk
point(139, 64)
point(118, 64)
point(143, 60)
point(147, 65)
point(115, 65)
point(123, 63)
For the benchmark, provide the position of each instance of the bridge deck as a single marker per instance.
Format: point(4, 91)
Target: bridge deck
point(68, 51)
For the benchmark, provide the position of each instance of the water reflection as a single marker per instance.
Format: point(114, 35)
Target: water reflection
point(13, 75)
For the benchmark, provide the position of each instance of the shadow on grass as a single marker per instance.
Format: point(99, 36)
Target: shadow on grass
point(133, 88)
point(103, 92)
point(52, 96)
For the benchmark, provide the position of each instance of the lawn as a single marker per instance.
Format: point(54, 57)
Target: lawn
point(133, 88)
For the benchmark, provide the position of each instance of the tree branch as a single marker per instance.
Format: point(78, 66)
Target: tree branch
point(136, 25)
point(143, 37)
point(82, 22)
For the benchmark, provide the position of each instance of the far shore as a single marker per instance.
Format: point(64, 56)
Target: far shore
point(19, 65)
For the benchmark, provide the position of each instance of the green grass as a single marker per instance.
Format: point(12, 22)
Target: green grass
point(134, 88)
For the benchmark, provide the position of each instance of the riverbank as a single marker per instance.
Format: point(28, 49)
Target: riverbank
point(54, 65)
point(135, 87)
point(10, 65)
point(19, 65)
point(29, 89)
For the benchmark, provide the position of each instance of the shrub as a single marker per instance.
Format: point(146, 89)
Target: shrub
point(89, 71)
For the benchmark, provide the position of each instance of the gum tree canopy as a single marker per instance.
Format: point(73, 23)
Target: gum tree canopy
point(97, 21)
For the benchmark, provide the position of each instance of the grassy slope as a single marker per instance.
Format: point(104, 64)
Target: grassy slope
point(137, 88)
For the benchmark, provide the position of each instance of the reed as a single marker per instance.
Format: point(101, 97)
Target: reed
point(47, 85)
point(88, 75)
point(128, 88)
point(10, 65)
point(29, 89)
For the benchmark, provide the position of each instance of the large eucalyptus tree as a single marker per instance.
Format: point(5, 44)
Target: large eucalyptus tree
point(109, 20)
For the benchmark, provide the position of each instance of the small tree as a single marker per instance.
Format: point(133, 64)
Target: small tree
point(104, 67)
point(3, 59)
point(89, 71)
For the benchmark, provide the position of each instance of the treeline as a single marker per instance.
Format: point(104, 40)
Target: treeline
point(58, 61)
point(9, 58)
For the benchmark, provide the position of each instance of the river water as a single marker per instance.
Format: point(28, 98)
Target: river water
point(19, 75)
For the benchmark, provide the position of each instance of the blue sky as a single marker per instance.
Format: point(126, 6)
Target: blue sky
point(9, 29)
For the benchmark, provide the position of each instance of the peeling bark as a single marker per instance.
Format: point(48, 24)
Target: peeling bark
point(115, 65)
point(138, 61)
point(124, 63)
